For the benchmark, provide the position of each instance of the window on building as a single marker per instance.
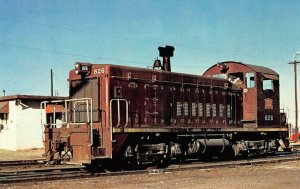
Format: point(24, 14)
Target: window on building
point(3, 118)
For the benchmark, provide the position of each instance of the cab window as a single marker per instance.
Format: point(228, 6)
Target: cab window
point(250, 80)
point(268, 85)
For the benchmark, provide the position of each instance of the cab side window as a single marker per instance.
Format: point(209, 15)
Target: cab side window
point(268, 85)
point(250, 80)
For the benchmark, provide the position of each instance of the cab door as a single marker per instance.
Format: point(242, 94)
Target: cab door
point(250, 101)
point(268, 113)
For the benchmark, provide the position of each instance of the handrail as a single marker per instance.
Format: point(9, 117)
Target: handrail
point(89, 108)
point(119, 117)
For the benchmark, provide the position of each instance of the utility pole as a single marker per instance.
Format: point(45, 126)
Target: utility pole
point(51, 75)
point(296, 100)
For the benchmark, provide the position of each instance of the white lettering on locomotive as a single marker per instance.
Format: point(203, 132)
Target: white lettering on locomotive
point(99, 71)
point(269, 118)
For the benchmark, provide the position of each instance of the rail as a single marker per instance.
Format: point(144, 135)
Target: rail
point(63, 173)
point(41, 174)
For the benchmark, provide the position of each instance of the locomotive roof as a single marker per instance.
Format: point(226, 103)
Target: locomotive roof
point(262, 69)
point(255, 68)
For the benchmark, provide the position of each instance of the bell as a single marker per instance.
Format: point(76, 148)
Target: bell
point(157, 64)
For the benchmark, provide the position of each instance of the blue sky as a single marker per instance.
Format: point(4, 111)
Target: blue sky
point(37, 35)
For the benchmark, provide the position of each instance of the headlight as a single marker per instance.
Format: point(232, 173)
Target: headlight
point(83, 69)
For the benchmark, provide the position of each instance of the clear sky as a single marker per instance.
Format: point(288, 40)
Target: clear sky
point(37, 35)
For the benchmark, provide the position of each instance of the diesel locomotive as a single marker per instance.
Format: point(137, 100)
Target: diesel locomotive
point(153, 115)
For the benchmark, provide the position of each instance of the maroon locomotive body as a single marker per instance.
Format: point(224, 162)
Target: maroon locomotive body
point(136, 114)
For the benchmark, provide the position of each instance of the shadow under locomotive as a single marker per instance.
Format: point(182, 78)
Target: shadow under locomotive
point(128, 114)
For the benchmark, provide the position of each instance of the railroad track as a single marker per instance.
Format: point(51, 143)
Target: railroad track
point(279, 157)
point(22, 162)
point(193, 164)
point(52, 173)
point(73, 172)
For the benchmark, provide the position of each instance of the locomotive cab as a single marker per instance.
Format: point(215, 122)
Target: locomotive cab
point(260, 87)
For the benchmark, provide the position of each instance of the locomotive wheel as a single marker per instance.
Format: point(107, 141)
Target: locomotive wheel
point(180, 158)
point(129, 160)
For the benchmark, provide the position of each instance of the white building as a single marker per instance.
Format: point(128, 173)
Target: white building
point(20, 121)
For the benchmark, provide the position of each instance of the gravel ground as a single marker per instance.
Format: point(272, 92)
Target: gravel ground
point(6, 155)
point(277, 175)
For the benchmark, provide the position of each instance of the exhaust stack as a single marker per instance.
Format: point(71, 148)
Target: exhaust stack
point(166, 53)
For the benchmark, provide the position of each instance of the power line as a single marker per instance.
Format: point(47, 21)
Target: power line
point(67, 53)
point(104, 34)
point(100, 58)
point(144, 39)
point(79, 30)
point(79, 55)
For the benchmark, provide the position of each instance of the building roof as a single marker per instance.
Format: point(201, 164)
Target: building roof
point(31, 97)
point(4, 100)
